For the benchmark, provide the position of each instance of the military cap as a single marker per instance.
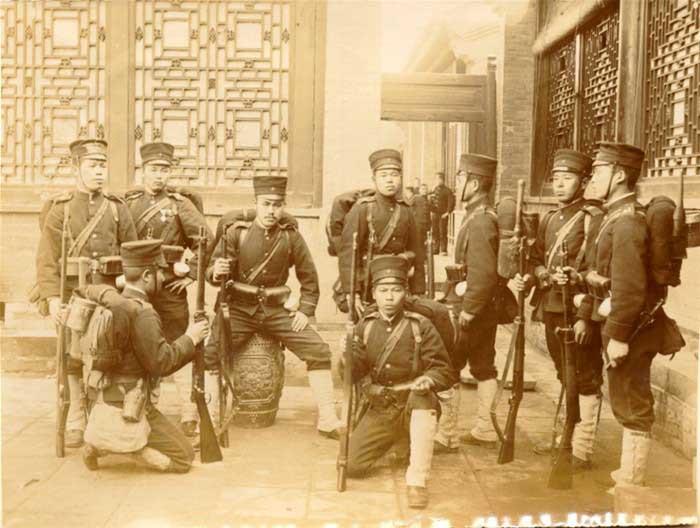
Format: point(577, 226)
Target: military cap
point(157, 152)
point(572, 161)
point(270, 185)
point(143, 253)
point(172, 254)
point(478, 164)
point(389, 269)
point(385, 159)
point(88, 148)
point(610, 153)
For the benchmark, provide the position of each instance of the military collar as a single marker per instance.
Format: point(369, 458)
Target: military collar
point(160, 194)
point(393, 320)
point(389, 200)
point(617, 203)
point(132, 292)
point(87, 195)
point(266, 230)
point(482, 201)
point(575, 203)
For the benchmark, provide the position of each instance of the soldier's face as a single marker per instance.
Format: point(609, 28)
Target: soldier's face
point(269, 209)
point(565, 185)
point(93, 173)
point(387, 181)
point(389, 298)
point(423, 190)
point(155, 176)
point(598, 187)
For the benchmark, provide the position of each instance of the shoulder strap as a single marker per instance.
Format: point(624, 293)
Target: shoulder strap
point(390, 345)
point(562, 234)
point(389, 228)
point(368, 329)
point(115, 212)
point(417, 341)
point(258, 269)
point(82, 238)
point(150, 212)
point(588, 217)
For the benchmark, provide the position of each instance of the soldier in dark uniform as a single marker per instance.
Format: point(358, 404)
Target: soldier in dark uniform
point(162, 213)
point(476, 250)
point(622, 254)
point(258, 257)
point(146, 354)
point(98, 222)
point(406, 359)
point(575, 221)
point(443, 204)
point(386, 220)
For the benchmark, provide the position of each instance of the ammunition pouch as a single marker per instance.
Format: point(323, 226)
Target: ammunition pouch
point(249, 294)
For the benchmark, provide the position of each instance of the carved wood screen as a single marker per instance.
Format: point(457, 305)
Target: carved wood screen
point(53, 85)
point(673, 88)
point(212, 78)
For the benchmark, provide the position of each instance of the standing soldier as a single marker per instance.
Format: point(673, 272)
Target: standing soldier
point(443, 204)
point(159, 212)
point(575, 221)
point(98, 222)
point(622, 255)
point(258, 257)
point(384, 225)
point(476, 250)
point(408, 364)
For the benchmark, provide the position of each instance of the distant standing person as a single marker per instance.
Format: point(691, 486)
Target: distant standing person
point(443, 204)
point(421, 211)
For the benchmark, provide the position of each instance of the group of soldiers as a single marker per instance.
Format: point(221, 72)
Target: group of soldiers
point(408, 373)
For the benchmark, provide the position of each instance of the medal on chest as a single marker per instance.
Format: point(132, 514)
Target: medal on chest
point(165, 215)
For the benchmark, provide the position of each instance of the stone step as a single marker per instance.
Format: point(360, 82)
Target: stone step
point(655, 502)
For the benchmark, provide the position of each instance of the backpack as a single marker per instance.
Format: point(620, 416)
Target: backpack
point(91, 322)
point(336, 219)
point(665, 267)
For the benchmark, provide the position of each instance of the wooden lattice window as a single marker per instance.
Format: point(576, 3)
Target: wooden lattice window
point(673, 88)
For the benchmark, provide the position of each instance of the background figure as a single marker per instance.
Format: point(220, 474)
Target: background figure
point(443, 203)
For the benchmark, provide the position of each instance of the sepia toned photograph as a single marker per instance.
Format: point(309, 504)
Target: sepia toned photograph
point(383, 263)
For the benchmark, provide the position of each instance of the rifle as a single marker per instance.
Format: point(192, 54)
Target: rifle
point(370, 255)
point(224, 326)
point(347, 372)
point(506, 452)
point(431, 266)
point(561, 475)
point(209, 449)
point(62, 390)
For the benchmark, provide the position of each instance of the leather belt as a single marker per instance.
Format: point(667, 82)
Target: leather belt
point(249, 294)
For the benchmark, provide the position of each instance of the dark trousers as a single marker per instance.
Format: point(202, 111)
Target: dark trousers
point(379, 429)
point(276, 323)
point(589, 359)
point(169, 440)
point(629, 383)
point(439, 226)
point(476, 346)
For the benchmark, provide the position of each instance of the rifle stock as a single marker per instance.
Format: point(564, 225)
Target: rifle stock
point(347, 373)
point(431, 265)
point(209, 449)
point(62, 395)
point(561, 475)
point(507, 450)
point(224, 349)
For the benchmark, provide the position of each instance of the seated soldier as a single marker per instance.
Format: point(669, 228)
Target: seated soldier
point(145, 354)
point(407, 363)
point(256, 257)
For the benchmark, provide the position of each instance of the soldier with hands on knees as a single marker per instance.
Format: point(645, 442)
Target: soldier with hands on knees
point(98, 222)
point(408, 364)
point(257, 258)
point(161, 212)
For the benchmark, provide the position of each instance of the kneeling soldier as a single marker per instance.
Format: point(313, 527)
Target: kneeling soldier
point(408, 364)
point(258, 257)
point(145, 354)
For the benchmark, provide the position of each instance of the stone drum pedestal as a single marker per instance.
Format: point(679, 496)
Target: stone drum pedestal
point(257, 374)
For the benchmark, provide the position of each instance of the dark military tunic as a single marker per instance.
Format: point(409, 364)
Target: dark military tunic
point(115, 227)
point(384, 424)
point(581, 221)
point(176, 221)
point(246, 253)
point(622, 253)
point(444, 202)
point(477, 250)
point(146, 353)
point(404, 238)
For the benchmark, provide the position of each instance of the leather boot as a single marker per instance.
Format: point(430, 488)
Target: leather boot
point(585, 431)
point(322, 387)
point(422, 432)
point(153, 458)
point(446, 440)
point(483, 433)
point(633, 460)
point(90, 454)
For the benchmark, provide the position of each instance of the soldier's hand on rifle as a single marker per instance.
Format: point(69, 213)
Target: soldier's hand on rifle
point(179, 285)
point(198, 331)
point(465, 318)
point(222, 266)
point(300, 321)
point(55, 309)
point(422, 384)
point(543, 279)
point(582, 332)
point(565, 275)
point(522, 282)
point(617, 351)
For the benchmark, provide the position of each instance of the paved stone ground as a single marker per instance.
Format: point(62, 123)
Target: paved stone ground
point(285, 474)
